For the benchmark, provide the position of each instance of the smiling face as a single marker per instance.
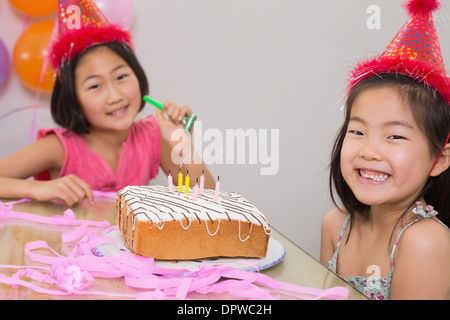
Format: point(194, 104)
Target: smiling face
point(385, 157)
point(107, 89)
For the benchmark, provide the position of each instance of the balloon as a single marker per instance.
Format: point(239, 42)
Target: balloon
point(35, 8)
point(118, 12)
point(5, 63)
point(29, 55)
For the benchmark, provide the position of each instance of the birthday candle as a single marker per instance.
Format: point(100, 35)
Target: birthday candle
point(186, 185)
point(202, 183)
point(170, 181)
point(195, 191)
point(180, 181)
point(216, 193)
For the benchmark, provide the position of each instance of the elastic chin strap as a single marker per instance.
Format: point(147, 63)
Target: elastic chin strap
point(440, 154)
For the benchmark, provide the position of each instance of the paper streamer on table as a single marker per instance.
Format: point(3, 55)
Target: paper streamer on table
point(76, 272)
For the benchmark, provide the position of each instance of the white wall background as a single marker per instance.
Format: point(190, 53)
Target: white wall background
point(250, 64)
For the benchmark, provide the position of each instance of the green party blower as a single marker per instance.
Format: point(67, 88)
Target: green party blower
point(188, 121)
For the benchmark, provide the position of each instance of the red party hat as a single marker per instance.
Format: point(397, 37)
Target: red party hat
point(415, 52)
point(81, 25)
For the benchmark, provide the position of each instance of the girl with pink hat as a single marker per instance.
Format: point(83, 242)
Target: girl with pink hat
point(98, 93)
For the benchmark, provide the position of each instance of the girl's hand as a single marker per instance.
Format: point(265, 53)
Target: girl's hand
point(70, 189)
point(175, 114)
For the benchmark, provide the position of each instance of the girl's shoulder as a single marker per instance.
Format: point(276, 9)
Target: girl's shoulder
point(50, 149)
point(50, 142)
point(425, 235)
point(331, 227)
point(58, 137)
point(332, 224)
point(333, 220)
point(421, 262)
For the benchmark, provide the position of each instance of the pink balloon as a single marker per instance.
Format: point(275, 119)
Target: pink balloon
point(119, 12)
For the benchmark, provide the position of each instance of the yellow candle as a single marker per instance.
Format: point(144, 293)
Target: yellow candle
point(186, 185)
point(180, 182)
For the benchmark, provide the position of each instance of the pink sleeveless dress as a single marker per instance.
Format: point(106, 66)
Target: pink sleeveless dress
point(138, 162)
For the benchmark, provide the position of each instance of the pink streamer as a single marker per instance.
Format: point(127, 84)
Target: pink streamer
point(68, 218)
point(102, 194)
point(26, 19)
point(7, 114)
point(75, 273)
point(41, 79)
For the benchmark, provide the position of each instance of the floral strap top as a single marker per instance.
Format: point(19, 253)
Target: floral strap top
point(373, 287)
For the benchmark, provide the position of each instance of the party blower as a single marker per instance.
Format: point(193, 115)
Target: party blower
point(188, 121)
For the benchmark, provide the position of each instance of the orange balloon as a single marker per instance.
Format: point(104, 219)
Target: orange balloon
point(29, 55)
point(35, 8)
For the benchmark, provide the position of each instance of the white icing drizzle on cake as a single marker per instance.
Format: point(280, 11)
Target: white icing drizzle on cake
point(158, 205)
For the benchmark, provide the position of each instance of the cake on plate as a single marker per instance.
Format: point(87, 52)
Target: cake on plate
point(169, 225)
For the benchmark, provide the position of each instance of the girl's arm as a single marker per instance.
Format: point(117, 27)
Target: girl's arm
point(192, 161)
point(422, 263)
point(44, 154)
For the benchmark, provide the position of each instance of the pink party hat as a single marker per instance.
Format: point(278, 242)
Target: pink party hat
point(415, 51)
point(81, 25)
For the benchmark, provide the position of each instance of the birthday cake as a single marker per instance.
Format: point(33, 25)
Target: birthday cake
point(169, 225)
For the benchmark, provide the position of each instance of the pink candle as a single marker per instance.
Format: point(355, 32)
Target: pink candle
point(202, 183)
point(216, 194)
point(195, 192)
point(170, 181)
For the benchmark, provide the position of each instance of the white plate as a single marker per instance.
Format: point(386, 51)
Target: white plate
point(275, 253)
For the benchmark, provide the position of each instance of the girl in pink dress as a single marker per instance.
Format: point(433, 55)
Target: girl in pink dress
point(100, 146)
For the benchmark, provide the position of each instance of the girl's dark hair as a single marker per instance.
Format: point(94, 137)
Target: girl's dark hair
point(430, 112)
point(65, 108)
